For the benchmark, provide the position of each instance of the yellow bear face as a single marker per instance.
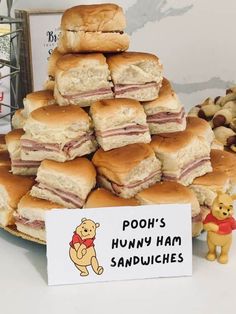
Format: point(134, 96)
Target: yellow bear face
point(222, 207)
point(87, 229)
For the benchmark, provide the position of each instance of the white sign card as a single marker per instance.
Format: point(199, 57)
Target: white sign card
point(44, 32)
point(107, 244)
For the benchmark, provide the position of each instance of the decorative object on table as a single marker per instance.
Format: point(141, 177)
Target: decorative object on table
point(219, 225)
point(36, 46)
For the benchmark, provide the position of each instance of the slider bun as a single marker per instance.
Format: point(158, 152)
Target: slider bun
point(36, 100)
point(74, 61)
point(81, 73)
point(169, 193)
point(213, 179)
point(72, 42)
point(18, 119)
point(79, 167)
point(224, 161)
point(104, 198)
point(111, 113)
point(14, 136)
point(172, 142)
point(167, 100)
point(126, 164)
point(200, 127)
point(94, 18)
point(54, 57)
point(59, 117)
point(33, 208)
point(77, 176)
point(135, 68)
point(5, 160)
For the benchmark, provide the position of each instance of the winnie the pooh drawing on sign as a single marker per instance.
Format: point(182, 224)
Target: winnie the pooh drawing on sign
point(82, 252)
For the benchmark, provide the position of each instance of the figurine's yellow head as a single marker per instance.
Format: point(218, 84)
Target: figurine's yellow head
point(223, 206)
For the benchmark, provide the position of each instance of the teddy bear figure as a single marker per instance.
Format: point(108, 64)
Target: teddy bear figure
point(82, 251)
point(219, 225)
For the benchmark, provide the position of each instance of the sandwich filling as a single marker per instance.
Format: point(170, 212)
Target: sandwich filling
point(117, 188)
point(35, 224)
point(18, 163)
point(65, 196)
point(96, 92)
point(120, 89)
point(186, 169)
point(30, 145)
point(130, 129)
point(167, 117)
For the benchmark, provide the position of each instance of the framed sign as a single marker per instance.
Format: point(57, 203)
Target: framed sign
point(40, 35)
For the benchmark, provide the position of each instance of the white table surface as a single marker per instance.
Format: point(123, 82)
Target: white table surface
point(23, 286)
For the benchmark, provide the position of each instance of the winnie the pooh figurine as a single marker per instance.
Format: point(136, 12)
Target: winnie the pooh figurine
point(219, 225)
point(82, 252)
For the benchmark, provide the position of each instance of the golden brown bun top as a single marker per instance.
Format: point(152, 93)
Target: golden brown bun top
point(115, 106)
point(224, 161)
point(5, 160)
point(54, 57)
point(93, 18)
point(79, 167)
point(14, 135)
point(104, 198)
point(16, 186)
point(215, 178)
point(166, 95)
point(197, 125)
point(130, 57)
point(123, 159)
point(171, 142)
point(70, 61)
point(28, 201)
point(169, 193)
point(2, 139)
point(62, 115)
point(40, 95)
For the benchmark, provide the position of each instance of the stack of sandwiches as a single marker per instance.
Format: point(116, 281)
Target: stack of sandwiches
point(132, 127)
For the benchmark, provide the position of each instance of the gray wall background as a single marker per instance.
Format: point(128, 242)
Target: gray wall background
point(195, 40)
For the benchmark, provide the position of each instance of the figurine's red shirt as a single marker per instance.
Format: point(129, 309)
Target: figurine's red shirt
point(77, 239)
point(225, 226)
